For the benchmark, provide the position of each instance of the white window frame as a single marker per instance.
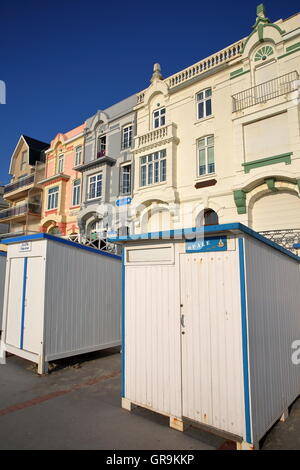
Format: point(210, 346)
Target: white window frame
point(122, 168)
point(60, 163)
point(152, 168)
point(205, 148)
point(52, 200)
point(101, 147)
point(159, 115)
point(76, 189)
point(127, 135)
point(149, 248)
point(78, 151)
point(99, 177)
point(204, 100)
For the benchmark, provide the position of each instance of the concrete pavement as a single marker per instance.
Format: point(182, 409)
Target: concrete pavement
point(77, 406)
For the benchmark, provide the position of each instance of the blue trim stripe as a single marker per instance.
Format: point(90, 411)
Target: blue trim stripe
point(123, 322)
point(2, 253)
point(23, 302)
point(184, 233)
point(47, 236)
point(245, 340)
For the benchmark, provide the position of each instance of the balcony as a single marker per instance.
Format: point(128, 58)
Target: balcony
point(265, 91)
point(101, 154)
point(27, 181)
point(159, 136)
point(20, 211)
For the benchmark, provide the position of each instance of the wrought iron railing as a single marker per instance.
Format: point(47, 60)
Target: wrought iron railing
point(266, 91)
point(18, 184)
point(20, 210)
point(286, 238)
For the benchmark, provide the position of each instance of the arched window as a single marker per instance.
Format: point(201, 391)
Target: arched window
point(54, 231)
point(210, 217)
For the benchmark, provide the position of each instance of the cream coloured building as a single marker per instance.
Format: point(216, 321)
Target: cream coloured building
point(23, 194)
point(222, 137)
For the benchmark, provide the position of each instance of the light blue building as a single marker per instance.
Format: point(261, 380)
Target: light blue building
point(106, 169)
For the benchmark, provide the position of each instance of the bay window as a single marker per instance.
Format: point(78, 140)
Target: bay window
point(53, 198)
point(153, 168)
point(95, 186)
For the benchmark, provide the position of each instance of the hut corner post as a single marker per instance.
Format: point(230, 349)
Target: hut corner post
point(42, 366)
point(246, 446)
point(2, 354)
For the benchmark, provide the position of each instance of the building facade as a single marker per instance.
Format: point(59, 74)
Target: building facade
point(3, 205)
point(107, 168)
point(24, 192)
point(62, 184)
point(220, 139)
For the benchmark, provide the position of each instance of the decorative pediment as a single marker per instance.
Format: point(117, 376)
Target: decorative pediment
point(158, 86)
point(58, 140)
point(263, 30)
point(100, 118)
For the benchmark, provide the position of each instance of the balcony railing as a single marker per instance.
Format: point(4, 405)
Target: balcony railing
point(265, 91)
point(211, 62)
point(285, 237)
point(20, 210)
point(18, 184)
point(154, 137)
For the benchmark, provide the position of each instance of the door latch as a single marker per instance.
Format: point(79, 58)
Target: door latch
point(182, 320)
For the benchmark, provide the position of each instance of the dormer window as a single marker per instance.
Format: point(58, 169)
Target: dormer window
point(159, 118)
point(60, 164)
point(101, 150)
point(23, 160)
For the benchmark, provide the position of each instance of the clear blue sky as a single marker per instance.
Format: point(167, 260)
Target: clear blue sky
point(63, 60)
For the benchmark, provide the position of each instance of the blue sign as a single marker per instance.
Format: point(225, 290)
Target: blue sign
point(124, 201)
point(206, 244)
point(112, 234)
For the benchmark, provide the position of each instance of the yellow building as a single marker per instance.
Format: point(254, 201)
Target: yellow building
point(62, 184)
point(220, 139)
point(24, 192)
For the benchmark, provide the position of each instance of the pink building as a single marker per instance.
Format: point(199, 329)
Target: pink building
point(62, 184)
